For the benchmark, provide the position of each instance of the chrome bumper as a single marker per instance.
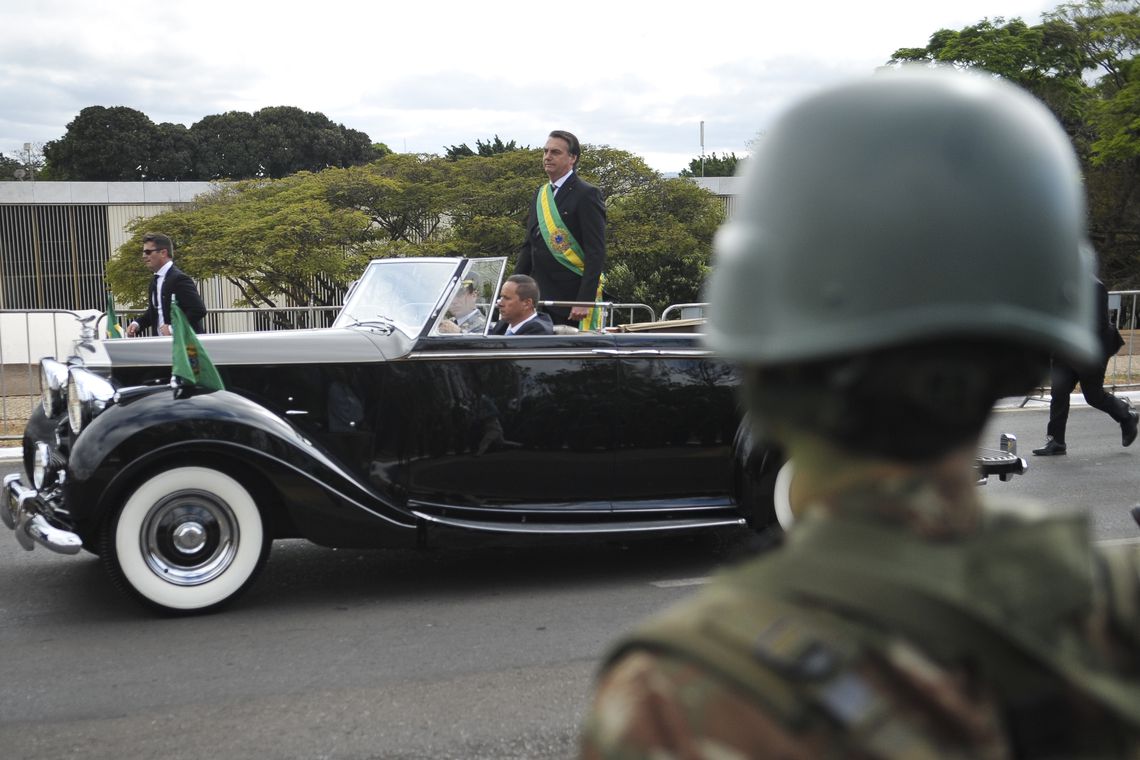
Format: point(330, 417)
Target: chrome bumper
point(19, 512)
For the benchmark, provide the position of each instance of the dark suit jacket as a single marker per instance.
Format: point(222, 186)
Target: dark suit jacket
point(540, 325)
point(581, 207)
point(178, 284)
point(1110, 338)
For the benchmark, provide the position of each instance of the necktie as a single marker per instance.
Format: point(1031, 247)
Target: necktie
point(154, 291)
point(553, 188)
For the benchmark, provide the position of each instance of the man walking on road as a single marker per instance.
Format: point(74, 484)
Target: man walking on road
point(169, 282)
point(1064, 378)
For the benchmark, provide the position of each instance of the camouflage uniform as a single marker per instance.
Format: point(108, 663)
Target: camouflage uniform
point(904, 251)
point(743, 671)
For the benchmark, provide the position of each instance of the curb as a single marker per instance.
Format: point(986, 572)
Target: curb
point(11, 453)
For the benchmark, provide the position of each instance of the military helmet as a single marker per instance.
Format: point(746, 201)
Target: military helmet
point(916, 205)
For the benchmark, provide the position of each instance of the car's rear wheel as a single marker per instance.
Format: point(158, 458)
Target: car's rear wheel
point(756, 470)
point(187, 540)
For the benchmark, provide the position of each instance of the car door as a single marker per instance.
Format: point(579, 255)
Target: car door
point(677, 415)
point(522, 422)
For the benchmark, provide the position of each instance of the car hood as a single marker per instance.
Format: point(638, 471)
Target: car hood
point(332, 345)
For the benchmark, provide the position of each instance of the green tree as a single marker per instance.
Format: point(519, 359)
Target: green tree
point(659, 242)
point(8, 167)
point(302, 238)
point(123, 144)
point(492, 147)
point(103, 144)
point(615, 171)
point(1081, 62)
point(714, 166)
point(280, 242)
point(289, 140)
point(228, 147)
point(172, 153)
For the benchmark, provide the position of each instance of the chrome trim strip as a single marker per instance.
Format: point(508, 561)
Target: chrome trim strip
point(705, 504)
point(659, 526)
point(583, 353)
point(328, 463)
point(577, 353)
point(603, 508)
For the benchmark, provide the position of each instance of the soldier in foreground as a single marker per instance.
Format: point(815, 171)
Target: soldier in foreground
point(905, 251)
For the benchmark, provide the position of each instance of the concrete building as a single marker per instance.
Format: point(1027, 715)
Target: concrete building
point(56, 238)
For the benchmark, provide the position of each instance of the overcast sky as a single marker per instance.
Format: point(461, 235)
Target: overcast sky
point(420, 75)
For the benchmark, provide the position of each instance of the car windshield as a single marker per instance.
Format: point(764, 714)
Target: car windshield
point(401, 292)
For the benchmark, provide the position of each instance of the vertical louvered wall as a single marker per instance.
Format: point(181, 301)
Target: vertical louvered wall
point(52, 256)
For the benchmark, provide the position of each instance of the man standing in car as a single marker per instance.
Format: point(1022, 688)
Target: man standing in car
point(565, 248)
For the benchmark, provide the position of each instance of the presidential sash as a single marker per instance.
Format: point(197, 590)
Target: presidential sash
point(565, 249)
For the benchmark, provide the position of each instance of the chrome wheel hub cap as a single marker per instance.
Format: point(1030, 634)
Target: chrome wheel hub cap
point(189, 538)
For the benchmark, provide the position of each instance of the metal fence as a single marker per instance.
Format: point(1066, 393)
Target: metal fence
point(257, 320)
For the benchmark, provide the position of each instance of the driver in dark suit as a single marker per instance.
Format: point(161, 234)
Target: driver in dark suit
point(158, 256)
point(516, 309)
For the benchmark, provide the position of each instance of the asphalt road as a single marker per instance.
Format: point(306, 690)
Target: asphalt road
point(445, 653)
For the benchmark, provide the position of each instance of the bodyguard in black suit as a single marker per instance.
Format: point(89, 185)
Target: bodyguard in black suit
point(158, 256)
point(516, 309)
point(583, 211)
point(1064, 378)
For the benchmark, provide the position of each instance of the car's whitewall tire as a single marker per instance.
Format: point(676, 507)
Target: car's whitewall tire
point(187, 539)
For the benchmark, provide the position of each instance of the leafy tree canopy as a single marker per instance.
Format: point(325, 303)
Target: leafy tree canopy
point(8, 167)
point(121, 143)
point(492, 147)
point(303, 238)
point(659, 242)
point(713, 166)
point(1080, 61)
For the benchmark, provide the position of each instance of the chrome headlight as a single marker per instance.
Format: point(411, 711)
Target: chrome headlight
point(40, 465)
point(53, 386)
point(87, 395)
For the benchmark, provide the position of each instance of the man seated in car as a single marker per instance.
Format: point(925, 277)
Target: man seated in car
point(464, 315)
point(516, 309)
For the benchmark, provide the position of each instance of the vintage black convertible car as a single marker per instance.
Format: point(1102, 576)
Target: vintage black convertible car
point(377, 432)
point(382, 430)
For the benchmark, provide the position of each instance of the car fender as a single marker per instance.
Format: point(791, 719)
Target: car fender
point(156, 429)
point(754, 475)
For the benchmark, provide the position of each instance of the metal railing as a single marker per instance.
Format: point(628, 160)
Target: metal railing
point(256, 320)
point(26, 336)
point(684, 311)
point(609, 309)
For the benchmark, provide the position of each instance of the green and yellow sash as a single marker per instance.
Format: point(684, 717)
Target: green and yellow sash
point(566, 250)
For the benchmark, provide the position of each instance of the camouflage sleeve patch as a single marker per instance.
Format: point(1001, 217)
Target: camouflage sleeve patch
point(648, 705)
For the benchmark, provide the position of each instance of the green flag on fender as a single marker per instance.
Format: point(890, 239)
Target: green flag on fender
point(114, 329)
point(190, 361)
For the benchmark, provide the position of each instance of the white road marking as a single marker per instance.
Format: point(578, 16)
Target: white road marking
point(681, 582)
point(1118, 541)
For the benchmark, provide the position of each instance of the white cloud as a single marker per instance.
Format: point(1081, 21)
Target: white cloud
point(422, 75)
